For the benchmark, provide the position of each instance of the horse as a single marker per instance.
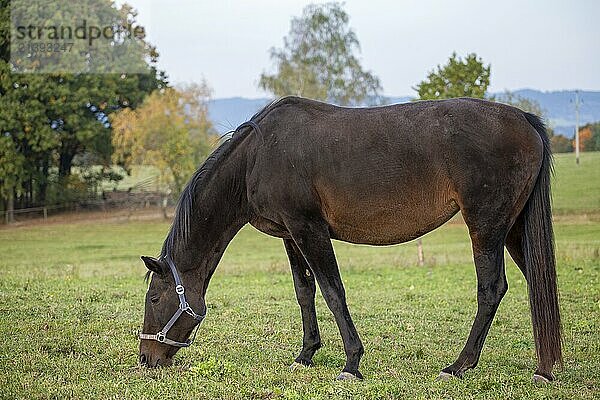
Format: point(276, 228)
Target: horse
point(308, 172)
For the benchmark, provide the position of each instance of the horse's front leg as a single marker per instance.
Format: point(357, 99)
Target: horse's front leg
point(312, 239)
point(304, 284)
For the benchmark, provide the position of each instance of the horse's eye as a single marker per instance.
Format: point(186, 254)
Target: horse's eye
point(154, 299)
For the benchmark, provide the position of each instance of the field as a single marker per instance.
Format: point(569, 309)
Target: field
point(71, 302)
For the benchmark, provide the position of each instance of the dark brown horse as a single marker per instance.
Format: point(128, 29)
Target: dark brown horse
point(309, 172)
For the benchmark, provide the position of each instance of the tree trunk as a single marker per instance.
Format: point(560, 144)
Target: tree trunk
point(29, 200)
point(67, 152)
point(10, 207)
point(44, 182)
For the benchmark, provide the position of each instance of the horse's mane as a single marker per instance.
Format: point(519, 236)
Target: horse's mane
point(180, 227)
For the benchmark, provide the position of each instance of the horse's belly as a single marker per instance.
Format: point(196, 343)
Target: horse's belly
point(387, 218)
point(387, 227)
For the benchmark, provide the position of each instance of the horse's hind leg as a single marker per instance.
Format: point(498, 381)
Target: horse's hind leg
point(304, 284)
point(488, 253)
point(514, 245)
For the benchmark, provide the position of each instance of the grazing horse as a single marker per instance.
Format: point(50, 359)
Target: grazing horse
point(308, 172)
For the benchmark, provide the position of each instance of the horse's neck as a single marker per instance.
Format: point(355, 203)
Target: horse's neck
point(220, 211)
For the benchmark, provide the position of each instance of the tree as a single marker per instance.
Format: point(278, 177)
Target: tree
point(11, 168)
point(458, 78)
point(595, 139)
point(52, 121)
point(318, 60)
point(525, 104)
point(589, 137)
point(170, 131)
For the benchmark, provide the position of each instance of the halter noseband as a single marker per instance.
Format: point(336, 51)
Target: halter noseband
point(184, 307)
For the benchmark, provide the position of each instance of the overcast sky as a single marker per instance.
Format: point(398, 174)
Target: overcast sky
point(538, 44)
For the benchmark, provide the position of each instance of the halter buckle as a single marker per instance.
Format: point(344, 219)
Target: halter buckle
point(179, 289)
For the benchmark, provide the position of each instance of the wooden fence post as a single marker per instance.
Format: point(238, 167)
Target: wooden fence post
point(420, 252)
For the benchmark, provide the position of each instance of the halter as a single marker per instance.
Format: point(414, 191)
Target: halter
point(184, 307)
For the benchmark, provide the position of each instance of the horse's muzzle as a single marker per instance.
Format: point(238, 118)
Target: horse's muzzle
point(146, 360)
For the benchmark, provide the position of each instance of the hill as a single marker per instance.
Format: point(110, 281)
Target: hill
point(560, 107)
point(227, 113)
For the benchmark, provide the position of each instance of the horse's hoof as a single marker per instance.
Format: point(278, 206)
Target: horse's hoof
point(347, 376)
point(296, 365)
point(444, 377)
point(537, 378)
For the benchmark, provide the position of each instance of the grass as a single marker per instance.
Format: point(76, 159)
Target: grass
point(71, 298)
point(577, 187)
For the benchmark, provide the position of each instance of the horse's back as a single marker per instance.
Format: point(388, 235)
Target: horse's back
point(388, 174)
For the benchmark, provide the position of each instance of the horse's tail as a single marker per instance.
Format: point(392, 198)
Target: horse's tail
point(538, 248)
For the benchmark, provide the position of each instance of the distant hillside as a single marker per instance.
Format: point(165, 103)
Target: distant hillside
point(560, 108)
point(228, 113)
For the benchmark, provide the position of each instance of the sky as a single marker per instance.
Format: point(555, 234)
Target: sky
point(539, 44)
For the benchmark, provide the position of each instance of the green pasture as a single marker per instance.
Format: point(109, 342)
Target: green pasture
point(71, 302)
point(576, 188)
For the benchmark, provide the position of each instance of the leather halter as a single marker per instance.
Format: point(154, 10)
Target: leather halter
point(184, 307)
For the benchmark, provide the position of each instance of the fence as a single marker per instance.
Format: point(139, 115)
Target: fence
point(111, 200)
point(141, 194)
point(9, 215)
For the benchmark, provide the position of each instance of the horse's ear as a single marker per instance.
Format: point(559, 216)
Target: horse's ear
point(153, 264)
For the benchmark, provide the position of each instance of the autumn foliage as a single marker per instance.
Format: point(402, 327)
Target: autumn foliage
point(170, 131)
point(589, 137)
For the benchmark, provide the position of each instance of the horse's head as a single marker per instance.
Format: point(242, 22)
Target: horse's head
point(170, 317)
